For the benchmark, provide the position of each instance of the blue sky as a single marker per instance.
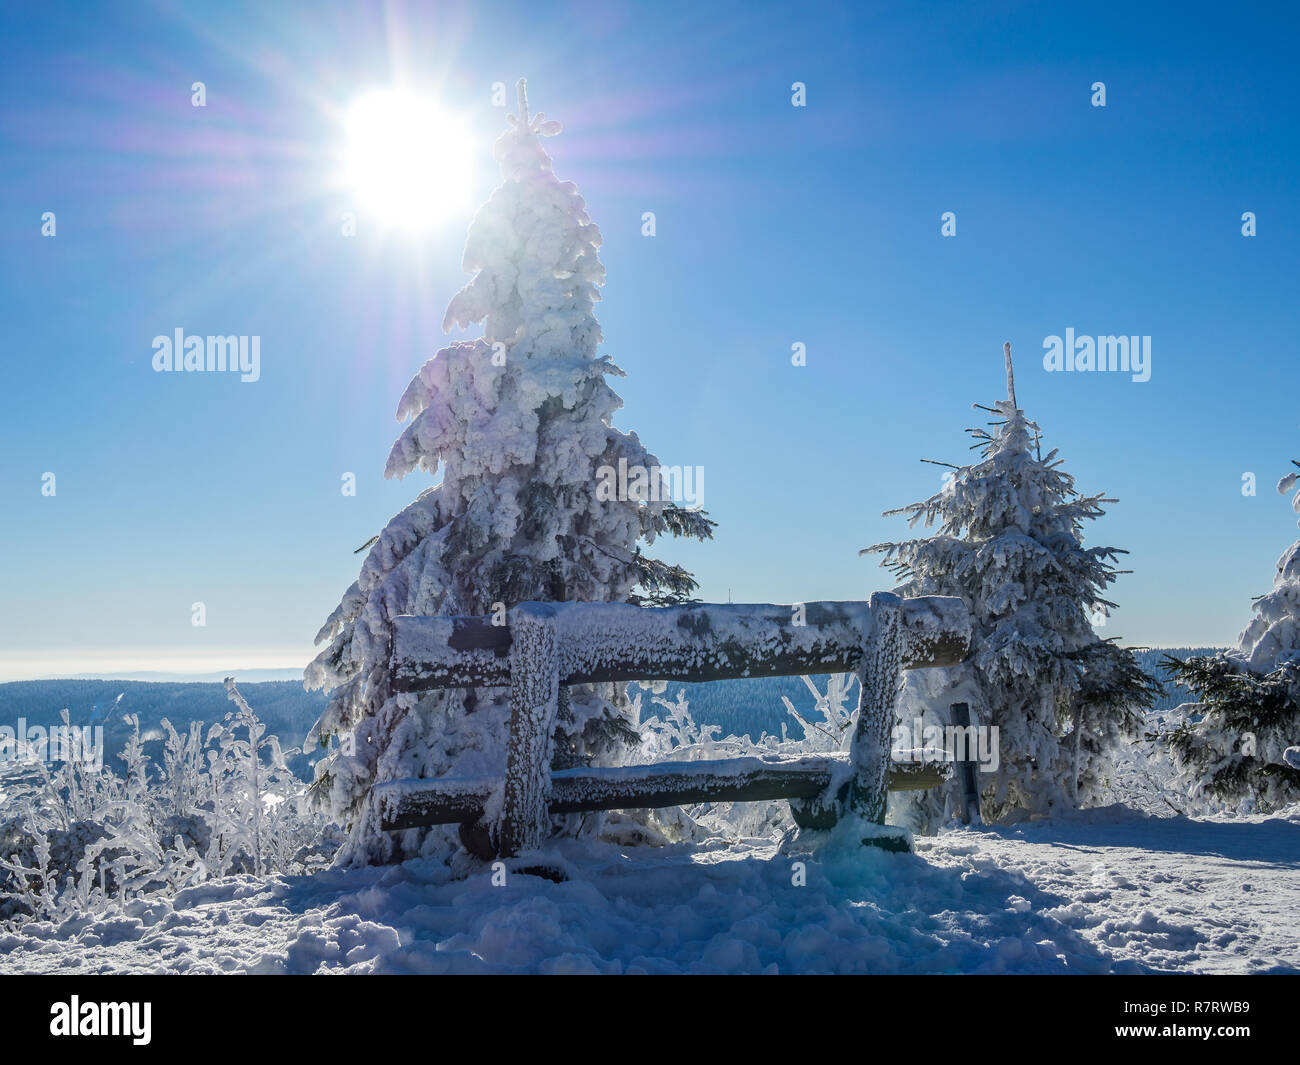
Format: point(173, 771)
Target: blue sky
point(775, 225)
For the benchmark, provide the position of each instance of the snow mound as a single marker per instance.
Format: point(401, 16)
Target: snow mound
point(1106, 891)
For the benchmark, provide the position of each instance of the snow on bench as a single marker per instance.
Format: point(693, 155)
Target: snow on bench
point(546, 646)
point(698, 642)
point(455, 800)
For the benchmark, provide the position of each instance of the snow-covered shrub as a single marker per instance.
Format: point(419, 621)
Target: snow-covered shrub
point(834, 730)
point(678, 737)
point(1143, 775)
point(519, 422)
point(87, 838)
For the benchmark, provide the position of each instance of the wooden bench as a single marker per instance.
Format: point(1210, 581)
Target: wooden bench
point(544, 647)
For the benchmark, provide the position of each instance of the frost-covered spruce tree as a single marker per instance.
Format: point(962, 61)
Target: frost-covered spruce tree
point(1233, 743)
point(519, 421)
point(1009, 543)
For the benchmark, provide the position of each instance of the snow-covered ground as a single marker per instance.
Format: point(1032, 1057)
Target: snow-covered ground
point(1105, 891)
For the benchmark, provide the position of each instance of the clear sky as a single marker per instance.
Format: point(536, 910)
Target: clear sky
point(775, 224)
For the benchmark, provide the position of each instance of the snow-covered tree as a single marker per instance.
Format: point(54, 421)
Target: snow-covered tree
point(1233, 743)
point(1009, 543)
point(519, 422)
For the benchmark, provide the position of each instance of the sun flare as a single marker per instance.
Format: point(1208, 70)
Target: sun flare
point(407, 159)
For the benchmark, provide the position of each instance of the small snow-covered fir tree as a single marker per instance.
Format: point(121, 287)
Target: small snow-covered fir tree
point(1009, 543)
point(519, 421)
point(1233, 743)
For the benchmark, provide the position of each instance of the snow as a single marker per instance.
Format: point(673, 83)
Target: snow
point(1273, 635)
point(1106, 890)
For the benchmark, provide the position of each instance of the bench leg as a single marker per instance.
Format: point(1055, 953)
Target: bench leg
point(534, 702)
point(878, 675)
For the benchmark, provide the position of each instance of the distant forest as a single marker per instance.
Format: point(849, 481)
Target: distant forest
point(740, 707)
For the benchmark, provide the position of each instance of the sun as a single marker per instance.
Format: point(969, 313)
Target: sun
point(407, 160)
